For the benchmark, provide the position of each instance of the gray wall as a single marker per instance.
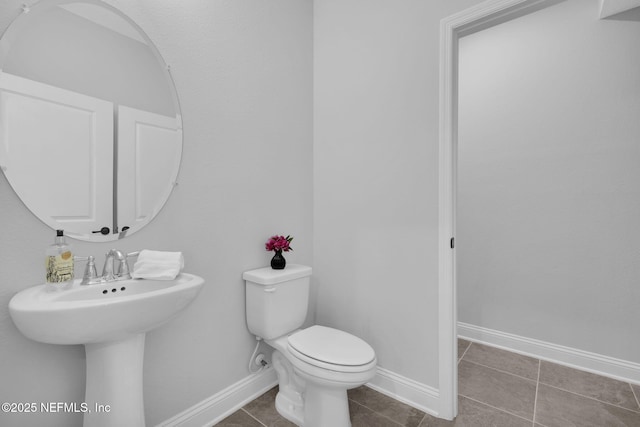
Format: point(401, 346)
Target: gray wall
point(243, 72)
point(53, 49)
point(376, 65)
point(549, 179)
point(247, 86)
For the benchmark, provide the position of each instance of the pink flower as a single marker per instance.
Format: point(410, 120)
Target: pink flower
point(279, 243)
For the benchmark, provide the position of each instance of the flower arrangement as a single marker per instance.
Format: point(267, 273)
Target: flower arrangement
point(279, 243)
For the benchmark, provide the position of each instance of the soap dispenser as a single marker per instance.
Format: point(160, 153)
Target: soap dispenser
point(59, 264)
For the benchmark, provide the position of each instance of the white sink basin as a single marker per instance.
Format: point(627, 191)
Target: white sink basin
point(111, 320)
point(99, 313)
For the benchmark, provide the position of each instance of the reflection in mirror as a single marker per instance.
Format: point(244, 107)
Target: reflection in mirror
point(90, 128)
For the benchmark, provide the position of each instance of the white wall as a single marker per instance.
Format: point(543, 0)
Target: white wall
point(549, 179)
point(243, 72)
point(376, 175)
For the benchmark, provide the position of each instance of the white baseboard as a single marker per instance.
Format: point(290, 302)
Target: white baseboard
point(406, 390)
point(234, 397)
point(591, 362)
point(225, 402)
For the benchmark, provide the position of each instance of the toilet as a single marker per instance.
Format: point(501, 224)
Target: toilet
point(315, 366)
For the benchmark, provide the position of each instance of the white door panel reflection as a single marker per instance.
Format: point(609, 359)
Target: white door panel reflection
point(57, 153)
point(149, 145)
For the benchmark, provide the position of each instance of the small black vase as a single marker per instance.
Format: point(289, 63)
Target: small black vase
point(278, 262)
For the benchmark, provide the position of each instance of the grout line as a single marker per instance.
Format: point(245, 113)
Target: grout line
point(465, 351)
point(422, 419)
point(249, 413)
point(377, 413)
point(635, 395)
point(500, 370)
point(535, 401)
point(591, 398)
point(495, 407)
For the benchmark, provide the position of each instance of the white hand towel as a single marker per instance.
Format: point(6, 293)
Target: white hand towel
point(158, 265)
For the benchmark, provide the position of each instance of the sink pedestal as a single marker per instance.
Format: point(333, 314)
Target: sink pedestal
point(114, 383)
point(111, 320)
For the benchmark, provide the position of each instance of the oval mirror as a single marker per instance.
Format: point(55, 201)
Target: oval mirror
point(90, 126)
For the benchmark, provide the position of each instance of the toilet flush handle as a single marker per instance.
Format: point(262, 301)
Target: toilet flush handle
point(270, 290)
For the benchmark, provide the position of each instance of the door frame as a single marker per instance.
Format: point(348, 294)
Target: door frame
point(484, 15)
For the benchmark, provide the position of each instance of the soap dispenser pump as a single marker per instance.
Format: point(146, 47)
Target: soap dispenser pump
point(59, 264)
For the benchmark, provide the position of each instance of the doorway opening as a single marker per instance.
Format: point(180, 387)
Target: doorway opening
point(477, 18)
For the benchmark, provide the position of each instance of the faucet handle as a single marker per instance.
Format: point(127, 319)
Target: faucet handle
point(125, 271)
point(90, 275)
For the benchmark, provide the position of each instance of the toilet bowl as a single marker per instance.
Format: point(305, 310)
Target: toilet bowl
point(315, 366)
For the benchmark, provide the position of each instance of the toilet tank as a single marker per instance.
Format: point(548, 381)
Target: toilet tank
point(277, 300)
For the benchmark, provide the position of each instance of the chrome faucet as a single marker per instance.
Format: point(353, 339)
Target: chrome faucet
point(109, 273)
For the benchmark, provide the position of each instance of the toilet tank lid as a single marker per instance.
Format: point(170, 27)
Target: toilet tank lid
point(269, 276)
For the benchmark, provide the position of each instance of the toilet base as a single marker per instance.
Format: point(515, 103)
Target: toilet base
point(323, 409)
point(307, 403)
point(290, 409)
point(326, 407)
point(289, 401)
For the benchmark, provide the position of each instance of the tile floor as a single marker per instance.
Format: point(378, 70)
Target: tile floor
point(496, 389)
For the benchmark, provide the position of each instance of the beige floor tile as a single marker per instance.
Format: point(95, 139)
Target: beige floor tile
point(462, 347)
point(239, 419)
point(636, 392)
point(558, 408)
point(474, 414)
point(264, 409)
point(394, 410)
point(503, 360)
point(507, 392)
point(362, 416)
point(587, 384)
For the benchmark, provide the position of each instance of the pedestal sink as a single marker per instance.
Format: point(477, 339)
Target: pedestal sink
point(111, 320)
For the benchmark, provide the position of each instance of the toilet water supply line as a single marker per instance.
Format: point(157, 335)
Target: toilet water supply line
point(257, 359)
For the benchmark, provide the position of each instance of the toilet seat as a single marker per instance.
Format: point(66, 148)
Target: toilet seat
point(331, 349)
